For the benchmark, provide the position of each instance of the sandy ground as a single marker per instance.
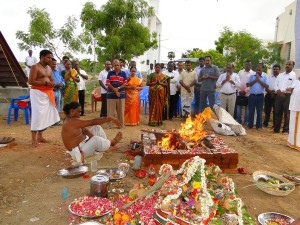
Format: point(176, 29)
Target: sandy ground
point(31, 190)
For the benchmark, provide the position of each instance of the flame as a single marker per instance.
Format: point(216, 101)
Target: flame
point(193, 130)
point(166, 143)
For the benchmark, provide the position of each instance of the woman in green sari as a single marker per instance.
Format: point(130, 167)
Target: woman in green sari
point(71, 78)
point(157, 83)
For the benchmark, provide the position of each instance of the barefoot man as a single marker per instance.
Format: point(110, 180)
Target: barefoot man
point(83, 138)
point(43, 111)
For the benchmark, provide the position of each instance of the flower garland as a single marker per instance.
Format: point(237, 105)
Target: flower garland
point(239, 210)
point(231, 185)
point(189, 170)
point(206, 200)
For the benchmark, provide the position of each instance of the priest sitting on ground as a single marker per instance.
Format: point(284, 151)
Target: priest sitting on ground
point(83, 138)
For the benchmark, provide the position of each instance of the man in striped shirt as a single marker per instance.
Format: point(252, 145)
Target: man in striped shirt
point(116, 82)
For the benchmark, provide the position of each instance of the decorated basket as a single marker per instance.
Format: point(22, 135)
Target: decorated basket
point(273, 183)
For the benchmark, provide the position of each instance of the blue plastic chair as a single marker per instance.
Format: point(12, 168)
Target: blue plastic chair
point(15, 107)
point(144, 94)
point(217, 102)
point(179, 107)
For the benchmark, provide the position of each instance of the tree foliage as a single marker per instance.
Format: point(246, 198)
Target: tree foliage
point(171, 56)
point(239, 46)
point(217, 57)
point(116, 29)
point(41, 33)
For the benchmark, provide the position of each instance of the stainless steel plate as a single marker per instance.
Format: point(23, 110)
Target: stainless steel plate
point(91, 223)
point(114, 174)
point(72, 172)
point(264, 218)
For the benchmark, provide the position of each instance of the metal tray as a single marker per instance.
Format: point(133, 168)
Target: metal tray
point(91, 223)
point(72, 172)
point(114, 174)
point(264, 217)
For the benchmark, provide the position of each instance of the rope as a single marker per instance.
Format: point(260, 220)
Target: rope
point(10, 66)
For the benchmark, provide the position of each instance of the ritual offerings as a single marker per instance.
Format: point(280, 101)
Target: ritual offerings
point(195, 194)
point(174, 147)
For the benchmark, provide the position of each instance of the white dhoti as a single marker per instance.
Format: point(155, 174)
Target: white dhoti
point(186, 103)
point(43, 112)
point(294, 130)
point(97, 143)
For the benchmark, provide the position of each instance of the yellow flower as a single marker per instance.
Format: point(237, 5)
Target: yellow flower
point(196, 185)
point(97, 212)
point(174, 212)
point(184, 188)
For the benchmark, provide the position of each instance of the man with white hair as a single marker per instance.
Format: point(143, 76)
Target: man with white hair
point(29, 61)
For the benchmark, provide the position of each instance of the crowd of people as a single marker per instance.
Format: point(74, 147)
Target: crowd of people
point(245, 95)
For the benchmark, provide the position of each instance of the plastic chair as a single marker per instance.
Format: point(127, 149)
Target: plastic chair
point(95, 97)
point(20, 103)
point(217, 98)
point(144, 93)
point(179, 108)
point(217, 102)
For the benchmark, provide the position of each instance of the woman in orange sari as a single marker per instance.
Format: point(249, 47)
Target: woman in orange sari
point(157, 91)
point(132, 99)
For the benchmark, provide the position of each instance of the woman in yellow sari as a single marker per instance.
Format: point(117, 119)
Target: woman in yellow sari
point(157, 91)
point(71, 78)
point(132, 99)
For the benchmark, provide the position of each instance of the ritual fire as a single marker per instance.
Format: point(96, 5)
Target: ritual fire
point(190, 135)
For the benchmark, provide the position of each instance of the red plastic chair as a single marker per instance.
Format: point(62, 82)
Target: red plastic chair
point(95, 97)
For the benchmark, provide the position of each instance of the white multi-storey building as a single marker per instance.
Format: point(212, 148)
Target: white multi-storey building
point(154, 25)
point(287, 33)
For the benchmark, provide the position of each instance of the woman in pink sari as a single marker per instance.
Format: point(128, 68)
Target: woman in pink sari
point(132, 100)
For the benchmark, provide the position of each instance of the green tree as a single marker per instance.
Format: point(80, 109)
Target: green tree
point(41, 33)
point(171, 55)
point(115, 30)
point(239, 46)
point(217, 57)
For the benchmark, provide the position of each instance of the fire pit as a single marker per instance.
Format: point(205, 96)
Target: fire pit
point(174, 147)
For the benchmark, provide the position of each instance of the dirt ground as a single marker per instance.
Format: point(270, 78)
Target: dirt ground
point(30, 189)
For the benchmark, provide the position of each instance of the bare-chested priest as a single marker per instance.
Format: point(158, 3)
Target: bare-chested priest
point(43, 111)
point(82, 138)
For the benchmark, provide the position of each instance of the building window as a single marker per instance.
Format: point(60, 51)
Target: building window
point(289, 46)
point(148, 62)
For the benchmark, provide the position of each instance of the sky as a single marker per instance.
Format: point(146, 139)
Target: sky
point(186, 24)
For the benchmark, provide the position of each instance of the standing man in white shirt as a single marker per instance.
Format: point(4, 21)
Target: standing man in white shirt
point(174, 95)
point(243, 93)
point(29, 61)
point(102, 81)
point(187, 82)
point(228, 82)
point(271, 96)
point(81, 86)
point(284, 82)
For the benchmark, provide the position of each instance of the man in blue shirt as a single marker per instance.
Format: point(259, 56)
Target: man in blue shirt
point(116, 82)
point(59, 84)
point(257, 82)
point(137, 73)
